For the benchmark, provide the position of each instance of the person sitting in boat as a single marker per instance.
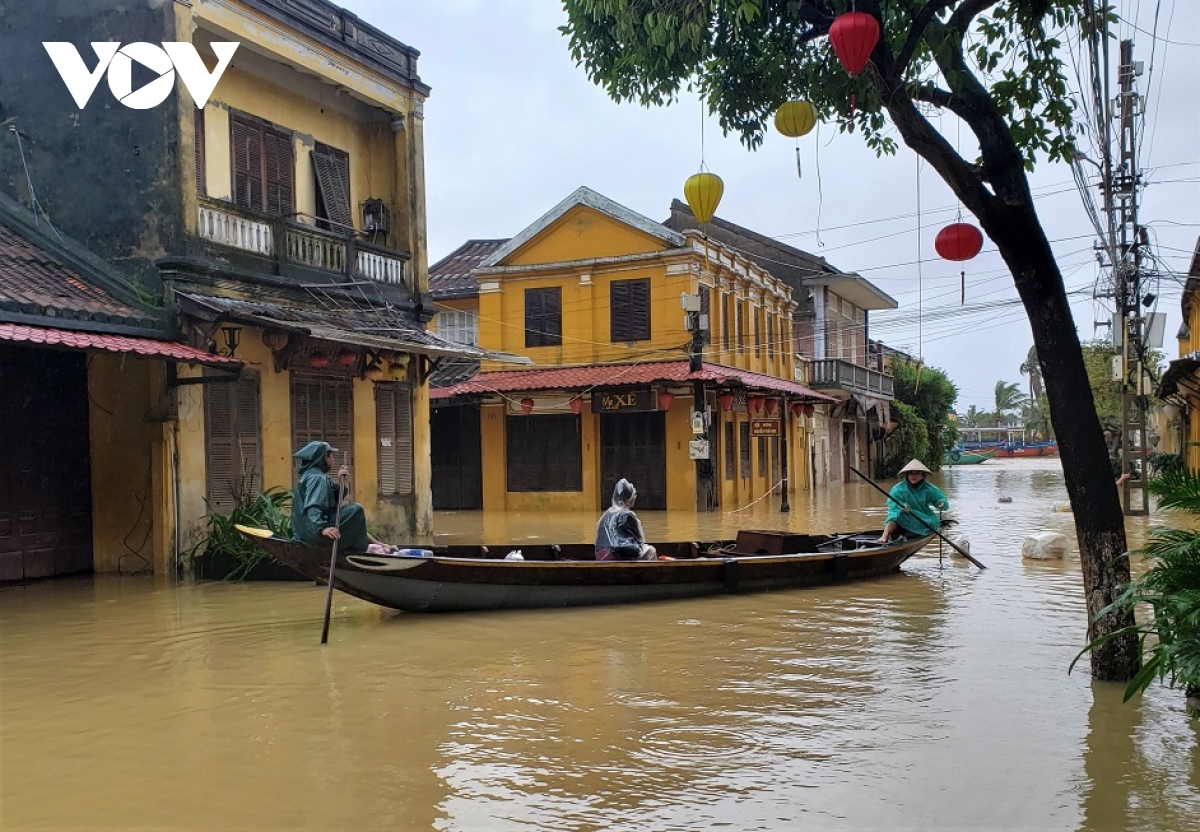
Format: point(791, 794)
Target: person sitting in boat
point(912, 501)
point(314, 504)
point(619, 534)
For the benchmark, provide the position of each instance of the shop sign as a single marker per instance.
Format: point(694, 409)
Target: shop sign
point(623, 401)
point(764, 427)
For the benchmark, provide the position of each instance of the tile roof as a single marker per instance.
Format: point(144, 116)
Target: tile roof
point(381, 328)
point(34, 281)
point(452, 371)
point(612, 375)
point(451, 277)
point(112, 343)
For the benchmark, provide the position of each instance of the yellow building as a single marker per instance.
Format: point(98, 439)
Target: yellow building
point(1178, 420)
point(283, 227)
point(661, 356)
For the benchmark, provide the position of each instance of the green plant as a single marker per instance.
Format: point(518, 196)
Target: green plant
point(1169, 635)
point(268, 510)
point(908, 441)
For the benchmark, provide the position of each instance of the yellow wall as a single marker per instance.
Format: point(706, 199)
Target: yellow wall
point(125, 416)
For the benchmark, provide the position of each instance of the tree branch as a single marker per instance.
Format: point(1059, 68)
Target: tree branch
point(968, 11)
point(917, 31)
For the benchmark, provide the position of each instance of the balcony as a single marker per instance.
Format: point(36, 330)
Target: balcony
point(834, 374)
point(298, 249)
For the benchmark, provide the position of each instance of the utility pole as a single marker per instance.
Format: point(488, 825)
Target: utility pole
point(696, 308)
point(1122, 186)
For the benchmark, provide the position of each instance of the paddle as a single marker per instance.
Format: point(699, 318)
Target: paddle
point(947, 540)
point(337, 524)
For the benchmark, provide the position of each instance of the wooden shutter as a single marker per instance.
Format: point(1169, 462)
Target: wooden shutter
point(629, 310)
point(756, 313)
point(393, 425)
point(543, 317)
point(744, 449)
point(726, 329)
point(706, 321)
point(762, 456)
point(247, 162)
point(544, 453)
point(279, 168)
point(332, 170)
point(198, 140)
point(323, 410)
point(232, 442)
point(771, 337)
point(730, 452)
point(741, 326)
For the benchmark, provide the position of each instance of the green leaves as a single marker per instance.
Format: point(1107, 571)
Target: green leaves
point(269, 510)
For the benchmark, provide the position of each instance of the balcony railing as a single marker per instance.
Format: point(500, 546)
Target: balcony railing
point(293, 244)
point(838, 374)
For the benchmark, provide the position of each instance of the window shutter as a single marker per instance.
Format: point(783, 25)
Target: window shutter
point(553, 317)
point(279, 172)
point(393, 420)
point(323, 409)
point(639, 314)
point(219, 447)
point(771, 337)
point(543, 317)
point(198, 139)
point(725, 325)
point(741, 326)
point(618, 294)
point(332, 170)
point(730, 453)
point(744, 449)
point(248, 433)
point(242, 139)
point(629, 302)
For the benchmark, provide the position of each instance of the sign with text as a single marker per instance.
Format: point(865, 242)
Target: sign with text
point(764, 427)
point(623, 401)
point(117, 61)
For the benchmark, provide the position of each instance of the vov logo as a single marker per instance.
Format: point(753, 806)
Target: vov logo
point(118, 60)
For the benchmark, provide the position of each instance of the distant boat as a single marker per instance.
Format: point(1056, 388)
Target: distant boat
point(1030, 449)
point(959, 456)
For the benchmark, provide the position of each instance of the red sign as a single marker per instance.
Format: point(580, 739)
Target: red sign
point(764, 427)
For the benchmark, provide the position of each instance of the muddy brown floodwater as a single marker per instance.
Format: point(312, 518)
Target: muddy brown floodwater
point(937, 698)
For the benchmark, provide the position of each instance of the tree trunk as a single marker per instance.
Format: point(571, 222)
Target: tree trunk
point(1008, 217)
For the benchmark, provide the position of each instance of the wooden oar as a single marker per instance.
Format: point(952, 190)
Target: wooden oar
point(337, 524)
point(948, 541)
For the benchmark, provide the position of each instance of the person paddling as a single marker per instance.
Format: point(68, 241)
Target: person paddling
point(314, 504)
point(912, 501)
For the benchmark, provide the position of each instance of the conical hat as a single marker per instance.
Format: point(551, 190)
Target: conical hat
point(915, 465)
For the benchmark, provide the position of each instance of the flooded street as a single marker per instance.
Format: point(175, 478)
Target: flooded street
point(934, 699)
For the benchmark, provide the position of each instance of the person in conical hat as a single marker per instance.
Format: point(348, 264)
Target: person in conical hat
point(911, 501)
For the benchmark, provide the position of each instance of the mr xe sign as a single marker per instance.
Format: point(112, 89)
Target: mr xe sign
point(164, 61)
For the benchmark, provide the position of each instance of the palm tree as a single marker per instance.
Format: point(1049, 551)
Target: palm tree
point(1009, 399)
point(1033, 369)
point(974, 418)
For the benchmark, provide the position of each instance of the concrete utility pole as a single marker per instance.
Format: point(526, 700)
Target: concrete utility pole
point(1121, 198)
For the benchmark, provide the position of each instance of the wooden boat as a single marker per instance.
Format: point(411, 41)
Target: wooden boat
point(958, 456)
point(1031, 449)
point(481, 578)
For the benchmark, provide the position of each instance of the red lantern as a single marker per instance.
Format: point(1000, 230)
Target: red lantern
point(772, 405)
point(726, 401)
point(664, 400)
point(318, 360)
point(797, 409)
point(274, 339)
point(347, 357)
point(959, 241)
point(576, 405)
point(809, 410)
point(854, 36)
point(756, 403)
point(527, 405)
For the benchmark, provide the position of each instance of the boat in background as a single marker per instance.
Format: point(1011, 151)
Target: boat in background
point(462, 577)
point(1049, 448)
point(960, 456)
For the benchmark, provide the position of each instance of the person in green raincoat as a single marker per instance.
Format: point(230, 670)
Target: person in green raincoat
point(314, 504)
point(913, 500)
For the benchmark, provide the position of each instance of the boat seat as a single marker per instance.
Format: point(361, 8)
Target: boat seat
point(767, 542)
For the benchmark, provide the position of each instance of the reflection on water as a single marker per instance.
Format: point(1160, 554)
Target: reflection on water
point(934, 699)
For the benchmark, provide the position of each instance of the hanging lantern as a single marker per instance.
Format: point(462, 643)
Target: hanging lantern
point(756, 403)
point(809, 410)
point(772, 405)
point(959, 241)
point(318, 360)
point(527, 405)
point(797, 409)
point(726, 401)
point(576, 405)
point(854, 36)
point(664, 400)
point(347, 357)
point(274, 339)
point(795, 119)
point(703, 192)
point(375, 374)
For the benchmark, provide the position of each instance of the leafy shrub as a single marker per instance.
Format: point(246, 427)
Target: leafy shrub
point(270, 509)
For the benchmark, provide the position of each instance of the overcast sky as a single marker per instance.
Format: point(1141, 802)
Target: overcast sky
point(513, 126)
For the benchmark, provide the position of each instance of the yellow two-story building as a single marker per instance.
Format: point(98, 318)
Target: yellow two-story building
point(661, 356)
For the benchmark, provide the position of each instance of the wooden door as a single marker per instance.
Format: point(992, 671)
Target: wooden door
point(45, 485)
point(457, 458)
point(633, 446)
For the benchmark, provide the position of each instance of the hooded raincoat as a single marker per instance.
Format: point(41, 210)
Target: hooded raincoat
point(921, 501)
point(315, 502)
point(619, 534)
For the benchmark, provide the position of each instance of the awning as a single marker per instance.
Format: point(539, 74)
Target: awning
point(80, 340)
point(620, 375)
point(378, 331)
point(1180, 373)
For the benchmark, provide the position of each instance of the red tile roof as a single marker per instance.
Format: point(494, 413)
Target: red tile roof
point(451, 277)
point(34, 281)
point(612, 375)
point(112, 343)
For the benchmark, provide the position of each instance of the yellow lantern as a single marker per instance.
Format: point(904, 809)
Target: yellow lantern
point(795, 119)
point(703, 192)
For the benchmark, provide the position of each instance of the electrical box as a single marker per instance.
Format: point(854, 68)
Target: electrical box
point(698, 449)
point(691, 303)
point(699, 423)
point(1118, 370)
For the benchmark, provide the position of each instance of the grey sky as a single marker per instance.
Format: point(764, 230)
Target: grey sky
point(512, 127)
